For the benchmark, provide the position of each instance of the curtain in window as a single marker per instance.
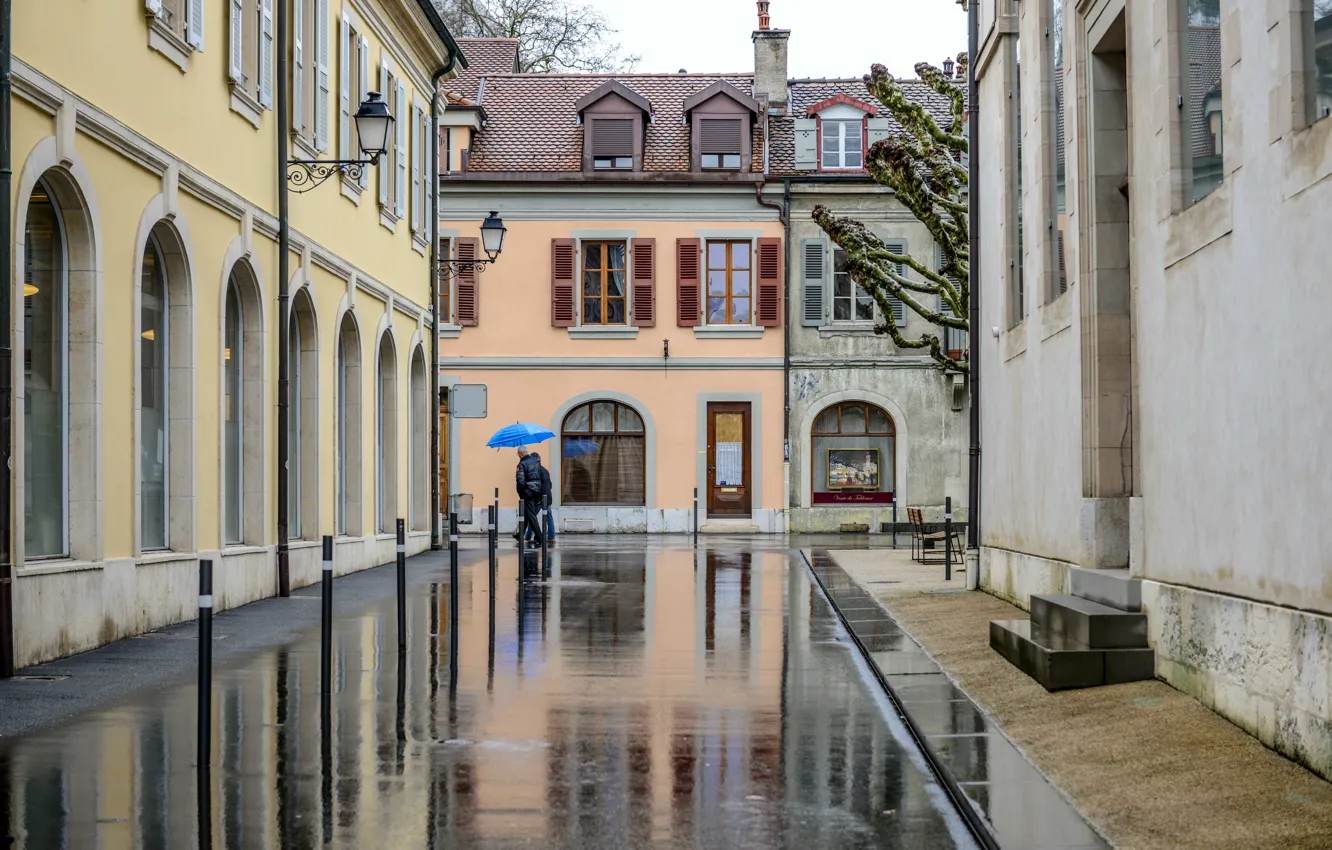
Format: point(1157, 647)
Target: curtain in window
point(154, 350)
point(603, 455)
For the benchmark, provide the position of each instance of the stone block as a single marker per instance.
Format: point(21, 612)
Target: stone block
point(1053, 660)
point(1090, 623)
point(1114, 588)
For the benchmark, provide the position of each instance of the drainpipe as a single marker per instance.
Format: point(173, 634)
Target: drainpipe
point(433, 301)
point(284, 320)
point(786, 364)
point(6, 352)
point(973, 215)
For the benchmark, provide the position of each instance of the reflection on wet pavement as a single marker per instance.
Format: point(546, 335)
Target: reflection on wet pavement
point(635, 697)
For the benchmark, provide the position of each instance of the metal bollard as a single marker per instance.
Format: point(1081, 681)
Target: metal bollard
point(205, 663)
point(492, 542)
point(326, 624)
point(453, 569)
point(541, 532)
point(894, 520)
point(402, 587)
point(695, 517)
point(948, 538)
point(522, 545)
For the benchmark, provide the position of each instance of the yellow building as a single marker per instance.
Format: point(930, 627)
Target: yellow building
point(146, 340)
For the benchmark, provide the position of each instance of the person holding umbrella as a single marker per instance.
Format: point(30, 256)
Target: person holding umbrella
point(527, 481)
point(544, 500)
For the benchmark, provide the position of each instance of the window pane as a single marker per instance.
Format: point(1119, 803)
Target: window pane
point(827, 422)
point(232, 354)
point(603, 470)
point(740, 283)
point(578, 418)
point(294, 429)
point(614, 311)
point(879, 423)
point(853, 160)
point(710, 160)
point(716, 255)
point(841, 308)
point(44, 380)
point(832, 136)
point(852, 133)
point(1322, 55)
point(1203, 127)
point(615, 283)
point(603, 416)
point(740, 310)
point(717, 283)
point(615, 255)
point(591, 311)
point(591, 283)
point(731, 160)
point(591, 255)
point(153, 349)
point(717, 310)
point(864, 305)
point(853, 419)
point(624, 162)
point(630, 421)
point(740, 255)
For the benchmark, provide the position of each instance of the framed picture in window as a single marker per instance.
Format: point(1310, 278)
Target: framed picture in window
point(853, 469)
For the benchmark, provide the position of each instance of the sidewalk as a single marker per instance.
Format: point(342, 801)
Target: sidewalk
point(1147, 765)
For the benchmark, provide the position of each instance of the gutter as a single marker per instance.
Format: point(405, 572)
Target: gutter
point(6, 343)
point(974, 221)
point(455, 58)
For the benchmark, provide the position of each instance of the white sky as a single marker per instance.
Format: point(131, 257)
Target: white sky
point(829, 38)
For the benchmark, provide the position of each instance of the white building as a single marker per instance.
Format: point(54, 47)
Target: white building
point(1153, 277)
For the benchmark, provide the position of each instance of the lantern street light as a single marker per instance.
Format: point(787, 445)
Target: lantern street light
point(492, 242)
point(374, 128)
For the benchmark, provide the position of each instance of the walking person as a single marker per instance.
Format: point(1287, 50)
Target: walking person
point(547, 495)
point(527, 482)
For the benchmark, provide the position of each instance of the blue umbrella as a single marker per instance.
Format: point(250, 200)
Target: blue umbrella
point(576, 447)
point(518, 434)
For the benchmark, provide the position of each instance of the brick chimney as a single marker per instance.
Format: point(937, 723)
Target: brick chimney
point(770, 61)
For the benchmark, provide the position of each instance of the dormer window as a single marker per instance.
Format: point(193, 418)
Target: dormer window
point(721, 119)
point(843, 144)
point(614, 120)
point(612, 143)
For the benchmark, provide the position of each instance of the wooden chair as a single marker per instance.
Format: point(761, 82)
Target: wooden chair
point(919, 537)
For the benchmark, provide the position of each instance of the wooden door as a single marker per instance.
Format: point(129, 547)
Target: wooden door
point(729, 481)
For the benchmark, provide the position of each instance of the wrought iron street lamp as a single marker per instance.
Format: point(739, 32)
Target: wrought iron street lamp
point(374, 128)
point(492, 242)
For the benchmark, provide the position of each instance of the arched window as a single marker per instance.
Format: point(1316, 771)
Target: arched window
point(243, 466)
point(853, 455)
point(154, 397)
point(603, 455)
point(233, 451)
point(348, 406)
point(418, 462)
point(303, 419)
point(45, 379)
point(386, 441)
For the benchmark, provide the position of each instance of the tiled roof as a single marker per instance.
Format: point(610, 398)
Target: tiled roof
point(1204, 77)
point(532, 122)
point(484, 56)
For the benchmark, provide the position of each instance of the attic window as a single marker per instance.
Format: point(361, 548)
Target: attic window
point(613, 143)
point(721, 143)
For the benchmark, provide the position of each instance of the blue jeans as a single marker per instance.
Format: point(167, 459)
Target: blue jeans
point(550, 526)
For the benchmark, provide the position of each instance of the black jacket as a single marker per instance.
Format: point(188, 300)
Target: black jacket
point(528, 478)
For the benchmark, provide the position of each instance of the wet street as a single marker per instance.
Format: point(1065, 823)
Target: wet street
point(644, 694)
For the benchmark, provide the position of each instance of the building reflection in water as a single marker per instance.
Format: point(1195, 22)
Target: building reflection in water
point(632, 698)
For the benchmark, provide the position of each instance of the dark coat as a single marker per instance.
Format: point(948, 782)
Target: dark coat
point(527, 478)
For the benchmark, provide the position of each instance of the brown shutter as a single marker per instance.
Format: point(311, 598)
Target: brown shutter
point(720, 135)
point(563, 274)
point(468, 308)
point(769, 308)
point(612, 137)
point(688, 295)
point(644, 279)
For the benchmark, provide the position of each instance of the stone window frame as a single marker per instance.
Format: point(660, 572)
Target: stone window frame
point(169, 30)
point(418, 430)
point(306, 450)
point(1015, 292)
point(386, 429)
point(254, 354)
point(1304, 139)
point(348, 414)
point(245, 91)
point(172, 235)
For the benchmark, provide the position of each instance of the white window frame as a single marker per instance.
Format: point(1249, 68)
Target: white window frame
point(843, 123)
point(876, 315)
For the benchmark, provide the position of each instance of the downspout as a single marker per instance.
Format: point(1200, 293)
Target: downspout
point(433, 301)
point(6, 351)
point(973, 321)
point(284, 321)
point(786, 363)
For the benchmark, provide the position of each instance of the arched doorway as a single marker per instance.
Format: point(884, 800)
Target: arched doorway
point(853, 455)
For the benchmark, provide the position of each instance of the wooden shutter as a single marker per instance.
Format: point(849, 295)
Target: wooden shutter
point(266, 53)
point(806, 144)
point(194, 25)
point(643, 274)
point(385, 161)
point(878, 130)
point(768, 310)
point(467, 310)
point(344, 92)
point(814, 283)
point(400, 160)
point(364, 53)
point(298, 66)
point(563, 280)
point(236, 64)
point(612, 137)
point(720, 135)
point(417, 195)
point(322, 88)
point(899, 247)
point(688, 283)
point(443, 285)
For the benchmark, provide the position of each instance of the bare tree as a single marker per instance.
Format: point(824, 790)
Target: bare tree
point(553, 35)
point(925, 167)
